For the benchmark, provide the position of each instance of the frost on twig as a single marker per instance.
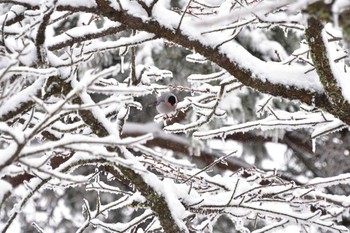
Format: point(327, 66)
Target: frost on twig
point(74, 75)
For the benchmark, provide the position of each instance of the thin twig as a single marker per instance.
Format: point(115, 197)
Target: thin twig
point(219, 160)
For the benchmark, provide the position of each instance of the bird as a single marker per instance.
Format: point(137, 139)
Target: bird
point(166, 103)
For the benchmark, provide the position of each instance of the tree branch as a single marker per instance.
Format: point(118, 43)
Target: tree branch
point(157, 202)
point(40, 37)
point(339, 106)
point(244, 75)
point(85, 37)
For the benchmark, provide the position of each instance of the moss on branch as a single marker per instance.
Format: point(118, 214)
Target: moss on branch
point(338, 105)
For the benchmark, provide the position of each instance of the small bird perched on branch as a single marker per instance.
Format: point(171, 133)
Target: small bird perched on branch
point(166, 103)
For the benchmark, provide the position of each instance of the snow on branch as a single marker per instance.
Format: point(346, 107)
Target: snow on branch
point(330, 181)
point(318, 121)
point(75, 74)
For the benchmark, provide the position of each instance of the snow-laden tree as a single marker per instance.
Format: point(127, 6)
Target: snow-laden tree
point(78, 81)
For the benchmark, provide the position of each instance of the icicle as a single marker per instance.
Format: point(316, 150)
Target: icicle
point(122, 64)
point(223, 139)
point(285, 31)
point(313, 145)
point(197, 151)
point(337, 7)
point(275, 136)
point(336, 19)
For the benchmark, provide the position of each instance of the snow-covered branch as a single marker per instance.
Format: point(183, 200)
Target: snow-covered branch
point(79, 81)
